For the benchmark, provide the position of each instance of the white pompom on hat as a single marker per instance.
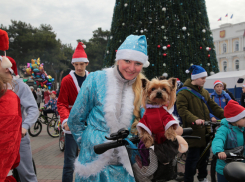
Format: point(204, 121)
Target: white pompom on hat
point(233, 112)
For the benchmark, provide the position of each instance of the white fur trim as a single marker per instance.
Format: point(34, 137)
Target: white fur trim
point(170, 123)
point(128, 54)
point(200, 75)
point(170, 111)
point(11, 70)
point(93, 168)
point(75, 79)
point(74, 60)
point(237, 117)
point(65, 121)
point(143, 126)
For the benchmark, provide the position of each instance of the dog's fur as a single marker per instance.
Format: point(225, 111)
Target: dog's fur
point(159, 91)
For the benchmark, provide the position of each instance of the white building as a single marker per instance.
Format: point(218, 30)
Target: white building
point(229, 42)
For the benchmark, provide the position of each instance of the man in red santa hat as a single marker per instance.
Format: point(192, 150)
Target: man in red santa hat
point(69, 89)
point(29, 112)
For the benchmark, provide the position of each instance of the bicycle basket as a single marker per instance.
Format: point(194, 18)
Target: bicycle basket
point(143, 161)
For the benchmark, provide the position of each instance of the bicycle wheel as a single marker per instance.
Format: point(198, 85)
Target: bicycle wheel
point(212, 169)
point(61, 139)
point(36, 129)
point(52, 128)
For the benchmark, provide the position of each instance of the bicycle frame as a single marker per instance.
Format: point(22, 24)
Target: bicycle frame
point(46, 118)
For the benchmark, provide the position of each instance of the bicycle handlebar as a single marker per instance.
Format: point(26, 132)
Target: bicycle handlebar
point(208, 123)
point(101, 148)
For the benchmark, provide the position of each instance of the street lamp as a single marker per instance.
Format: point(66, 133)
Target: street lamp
point(11, 39)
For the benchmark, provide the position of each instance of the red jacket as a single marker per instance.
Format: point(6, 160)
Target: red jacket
point(155, 121)
point(68, 93)
point(10, 129)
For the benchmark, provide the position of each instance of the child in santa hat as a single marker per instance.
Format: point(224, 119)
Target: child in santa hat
point(229, 135)
point(220, 97)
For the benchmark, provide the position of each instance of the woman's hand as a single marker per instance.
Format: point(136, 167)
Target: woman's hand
point(222, 156)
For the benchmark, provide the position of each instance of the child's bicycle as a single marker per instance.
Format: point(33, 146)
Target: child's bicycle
point(61, 137)
point(141, 173)
point(52, 125)
point(181, 158)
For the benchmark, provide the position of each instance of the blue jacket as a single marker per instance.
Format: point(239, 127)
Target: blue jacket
point(221, 100)
point(227, 137)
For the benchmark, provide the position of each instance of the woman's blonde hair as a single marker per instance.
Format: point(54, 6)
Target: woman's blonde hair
point(137, 88)
point(4, 83)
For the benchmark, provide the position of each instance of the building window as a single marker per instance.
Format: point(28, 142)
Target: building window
point(236, 46)
point(224, 48)
point(225, 66)
point(237, 65)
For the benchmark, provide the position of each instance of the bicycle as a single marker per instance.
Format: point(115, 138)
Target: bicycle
point(61, 137)
point(120, 139)
point(212, 160)
point(51, 123)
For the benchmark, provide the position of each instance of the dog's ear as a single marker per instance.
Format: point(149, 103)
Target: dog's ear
point(162, 78)
point(173, 82)
point(144, 82)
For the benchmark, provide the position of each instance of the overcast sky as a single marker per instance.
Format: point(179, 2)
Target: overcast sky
point(76, 19)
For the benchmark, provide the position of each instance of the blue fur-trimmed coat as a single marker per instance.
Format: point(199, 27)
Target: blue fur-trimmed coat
point(96, 104)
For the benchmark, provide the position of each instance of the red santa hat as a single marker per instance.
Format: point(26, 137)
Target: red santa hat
point(218, 82)
point(233, 111)
point(80, 54)
point(53, 92)
point(4, 45)
point(13, 69)
point(178, 80)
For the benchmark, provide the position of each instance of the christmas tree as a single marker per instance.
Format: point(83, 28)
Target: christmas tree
point(177, 31)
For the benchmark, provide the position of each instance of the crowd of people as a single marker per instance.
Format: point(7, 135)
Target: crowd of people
point(94, 105)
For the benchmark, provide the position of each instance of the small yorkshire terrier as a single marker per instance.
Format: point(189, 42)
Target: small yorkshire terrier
point(158, 97)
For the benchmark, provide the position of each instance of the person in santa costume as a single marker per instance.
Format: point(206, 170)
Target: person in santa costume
point(108, 101)
point(30, 114)
point(229, 135)
point(70, 87)
point(11, 119)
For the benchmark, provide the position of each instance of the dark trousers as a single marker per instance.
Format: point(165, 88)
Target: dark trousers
point(221, 178)
point(191, 162)
point(38, 105)
point(45, 112)
point(70, 154)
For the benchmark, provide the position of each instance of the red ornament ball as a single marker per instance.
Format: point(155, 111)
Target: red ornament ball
point(164, 54)
point(210, 49)
point(168, 46)
point(158, 46)
point(209, 55)
point(115, 50)
point(200, 48)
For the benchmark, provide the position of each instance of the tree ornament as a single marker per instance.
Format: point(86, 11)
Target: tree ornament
point(141, 31)
point(203, 31)
point(165, 37)
point(208, 64)
point(207, 48)
point(162, 27)
point(210, 49)
point(123, 24)
point(184, 28)
point(158, 46)
point(107, 52)
point(191, 64)
point(164, 9)
point(204, 39)
point(165, 75)
point(125, 5)
point(136, 30)
point(187, 71)
point(212, 73)
point(200, 48)
point(209, 55)
point(168, 46)
point(115, 50)
point(164, 54)
point(164, 64)
point(164, 48)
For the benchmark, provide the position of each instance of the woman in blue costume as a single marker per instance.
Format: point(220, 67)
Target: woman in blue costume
point(108, 101)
